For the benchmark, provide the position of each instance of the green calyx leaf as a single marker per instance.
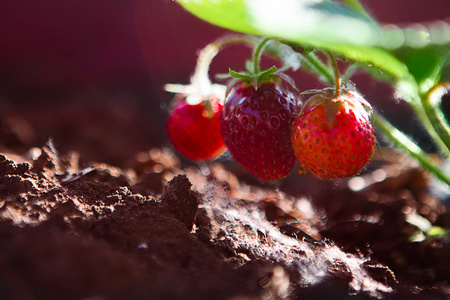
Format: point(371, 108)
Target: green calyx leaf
point(260, 75)
point(239, 75)
point(255, 79)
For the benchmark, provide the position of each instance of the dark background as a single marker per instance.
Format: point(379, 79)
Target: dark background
point(89, 74)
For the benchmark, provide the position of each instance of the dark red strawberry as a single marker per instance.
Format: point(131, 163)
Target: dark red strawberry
point(194, 130)
point(333, 136)
point(255, 126)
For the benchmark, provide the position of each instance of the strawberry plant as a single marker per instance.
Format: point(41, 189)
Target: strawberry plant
point(309, 35)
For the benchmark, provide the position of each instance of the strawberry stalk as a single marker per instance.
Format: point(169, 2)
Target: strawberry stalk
point(201, 79)
point(255, 76)
point(431, 105)
point(258, 54)
point(276, 49)
point(201, 89)
point(349, 72)
point(337, 75)
point(318, 68)
point(208, 53)
point(426, 107)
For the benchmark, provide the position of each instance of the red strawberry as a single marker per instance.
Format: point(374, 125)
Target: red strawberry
point(194, 129)
point(255, 126)
point(333, 137)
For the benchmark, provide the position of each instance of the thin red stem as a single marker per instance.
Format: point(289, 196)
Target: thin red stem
point(337, 75)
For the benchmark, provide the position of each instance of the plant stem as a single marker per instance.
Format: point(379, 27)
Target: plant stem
point(423, 112)
point(431, 105)
point(349, 72)
point(207, 54)
point(402, 141)
point(337, 75)
point(257, 55)
point(319, 68)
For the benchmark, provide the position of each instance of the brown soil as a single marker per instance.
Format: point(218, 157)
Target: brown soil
point(158, 229)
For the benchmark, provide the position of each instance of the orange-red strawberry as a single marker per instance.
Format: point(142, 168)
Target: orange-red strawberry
point(333, 136)
point(194, 130)
point(255, 126)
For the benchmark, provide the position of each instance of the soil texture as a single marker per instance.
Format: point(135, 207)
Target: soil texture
point(156, 228)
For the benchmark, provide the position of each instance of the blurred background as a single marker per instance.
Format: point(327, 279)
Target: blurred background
point(89, 74)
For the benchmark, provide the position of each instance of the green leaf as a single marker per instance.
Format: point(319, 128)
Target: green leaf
point(415, 57)
point(326, 25)
point(425, 64)
point(232, 15)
